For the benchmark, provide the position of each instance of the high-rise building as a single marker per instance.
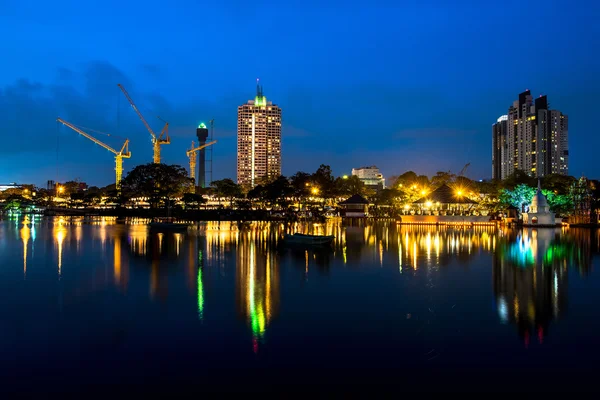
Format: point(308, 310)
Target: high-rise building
point(202, 135)
point(499, 147)
point(258, 141)
point(532, 138)
point(370, 176)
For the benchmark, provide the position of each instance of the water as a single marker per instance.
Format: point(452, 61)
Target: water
point(226, 306)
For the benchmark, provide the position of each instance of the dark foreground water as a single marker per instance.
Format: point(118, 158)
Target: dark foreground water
point(226, 306)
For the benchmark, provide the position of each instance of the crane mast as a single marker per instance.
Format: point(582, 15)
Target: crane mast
point(193, 156)
point(119, 154)
point(156, 141)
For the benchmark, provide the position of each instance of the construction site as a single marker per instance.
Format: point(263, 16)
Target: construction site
point(196, 153)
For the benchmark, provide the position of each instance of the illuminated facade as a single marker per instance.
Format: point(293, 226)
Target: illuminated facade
point(531, 138)
point(370, 176)
point(258, 141)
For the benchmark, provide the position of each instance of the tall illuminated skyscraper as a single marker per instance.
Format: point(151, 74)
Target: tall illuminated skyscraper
point(258, 141)
point(532, 138)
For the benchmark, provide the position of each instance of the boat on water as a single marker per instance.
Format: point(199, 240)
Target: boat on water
point(168, 225)
point(315, 240)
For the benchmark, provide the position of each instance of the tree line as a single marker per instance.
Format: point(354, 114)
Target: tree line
point(160, 184)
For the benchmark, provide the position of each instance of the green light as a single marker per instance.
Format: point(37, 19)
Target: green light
point(200, 296)
point(202, 126)
point(260, 101)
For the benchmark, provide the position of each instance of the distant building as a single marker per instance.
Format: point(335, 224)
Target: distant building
point(5, 186)
point(202, 135)
point(258, 141)
point(535, 139)
point(370, 176)
point(499, 148)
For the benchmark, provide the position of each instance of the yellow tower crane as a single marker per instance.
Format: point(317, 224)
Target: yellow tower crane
point(119, 155)
point(193, 156)
point(156, 141)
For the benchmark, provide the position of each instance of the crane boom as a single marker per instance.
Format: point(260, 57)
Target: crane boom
point(194, 149)
point(156, 141)
point(93, 139)
point(137, 111)
point(119, 155)
point(193, 156)
point(462, 172)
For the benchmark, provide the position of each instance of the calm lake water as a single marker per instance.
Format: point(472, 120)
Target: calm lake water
point(227, 306)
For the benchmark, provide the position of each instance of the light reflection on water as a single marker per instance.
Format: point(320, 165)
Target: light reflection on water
point(221, 272)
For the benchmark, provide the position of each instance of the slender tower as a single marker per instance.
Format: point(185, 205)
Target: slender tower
point(202, 135)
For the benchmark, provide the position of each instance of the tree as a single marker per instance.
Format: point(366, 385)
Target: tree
point(442, 178)
point(278, 191)
point(157, 182)
point(559, 184)
point(518, 197)
point(349, 186)
point(192, 200)
point(15, 202)
point(226, 188)
point(323, 182)
point(517, 178)
point(407, 179)
point(300, 183)
point(257, 193)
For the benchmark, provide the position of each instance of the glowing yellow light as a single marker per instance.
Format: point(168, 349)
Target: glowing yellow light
point(428, 204)
point(423, 192)
point(315, 191)
point(345, 177)
point(406, 206)
point(459, 193)
point(61, 189)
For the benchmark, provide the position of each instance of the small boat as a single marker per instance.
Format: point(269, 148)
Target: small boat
point(315, 240)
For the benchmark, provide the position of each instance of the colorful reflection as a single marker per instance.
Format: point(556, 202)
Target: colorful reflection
point(257, 284)
point(530, 275)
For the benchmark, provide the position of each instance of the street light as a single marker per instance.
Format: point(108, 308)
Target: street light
point(315, 190)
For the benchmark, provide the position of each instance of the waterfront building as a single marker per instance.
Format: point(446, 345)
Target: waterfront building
point(532, 138)
point(355, 207)
point(258, 141)
point(370, 176)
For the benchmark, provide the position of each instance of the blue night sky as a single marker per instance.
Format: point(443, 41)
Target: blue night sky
point(411, 86)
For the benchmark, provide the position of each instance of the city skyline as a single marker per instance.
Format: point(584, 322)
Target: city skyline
point(346, 104)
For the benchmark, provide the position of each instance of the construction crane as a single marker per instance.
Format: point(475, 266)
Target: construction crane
point(119, 154)
point(193, 156)
point(156, 141)
point(462, 171)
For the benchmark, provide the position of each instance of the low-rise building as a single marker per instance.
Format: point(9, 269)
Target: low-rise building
point(370, 176)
